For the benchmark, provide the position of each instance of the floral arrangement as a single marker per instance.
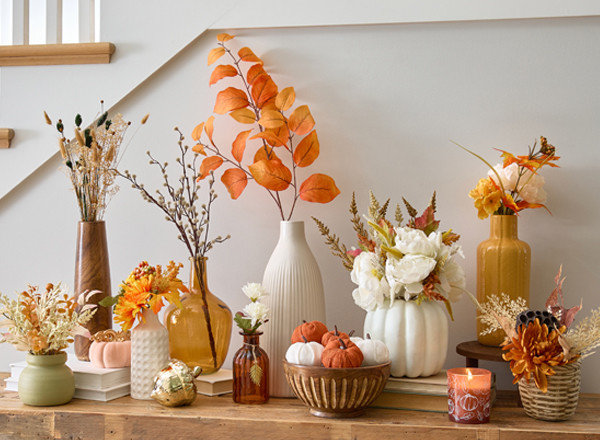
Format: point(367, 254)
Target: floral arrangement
point(254, 314)
point(91, 157)
point(179, 204)
point(412, 261)
point(537, 341)
point(147, 287)
point(515, 184)
point(250, 319)
point(44, 322)
point(279, 136)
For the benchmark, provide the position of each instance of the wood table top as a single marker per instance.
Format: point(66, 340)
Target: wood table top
point(220, 418)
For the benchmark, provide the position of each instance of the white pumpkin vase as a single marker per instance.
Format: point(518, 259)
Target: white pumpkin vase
point(415, 334)
point(293, 280)
point(149, 354)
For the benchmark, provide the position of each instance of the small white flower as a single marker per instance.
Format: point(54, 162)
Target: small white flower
point(254, 291)
point(256, 311)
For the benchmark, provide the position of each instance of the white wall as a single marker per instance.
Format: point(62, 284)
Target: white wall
point(387, 99)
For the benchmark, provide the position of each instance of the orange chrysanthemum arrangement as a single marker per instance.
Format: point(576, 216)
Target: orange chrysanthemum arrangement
point(538, 341)
point(147, 287)
point(515, 184)
point(282, 138)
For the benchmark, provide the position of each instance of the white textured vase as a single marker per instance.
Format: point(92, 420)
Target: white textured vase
point(149, 354)
point(294, 282)
point(415, 334)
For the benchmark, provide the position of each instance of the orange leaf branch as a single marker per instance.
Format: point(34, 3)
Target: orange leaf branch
point(258, 102)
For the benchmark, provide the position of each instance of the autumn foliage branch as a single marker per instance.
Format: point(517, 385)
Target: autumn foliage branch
point(285, 139)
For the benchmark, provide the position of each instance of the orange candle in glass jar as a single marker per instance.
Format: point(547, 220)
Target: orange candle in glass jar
point(469, 395)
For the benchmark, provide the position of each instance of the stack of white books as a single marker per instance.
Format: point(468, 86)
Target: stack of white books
point(91, 383)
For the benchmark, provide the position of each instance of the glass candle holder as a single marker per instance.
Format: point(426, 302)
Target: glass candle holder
point(469, 395)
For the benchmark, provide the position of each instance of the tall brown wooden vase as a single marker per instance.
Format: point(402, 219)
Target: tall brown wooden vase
point(92, 272)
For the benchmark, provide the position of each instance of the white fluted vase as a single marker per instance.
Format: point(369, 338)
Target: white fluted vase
point(149, 354)
point(293, 280)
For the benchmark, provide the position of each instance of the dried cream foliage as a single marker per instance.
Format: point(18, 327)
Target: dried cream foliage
point(585, 337)
point(42, 322)
point(500, 306)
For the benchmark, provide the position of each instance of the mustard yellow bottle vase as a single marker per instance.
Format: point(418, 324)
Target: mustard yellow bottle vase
point(200, 331)
point(503, 266)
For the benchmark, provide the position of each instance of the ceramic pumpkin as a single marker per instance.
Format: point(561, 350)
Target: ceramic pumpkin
point(342, 353)
point(110, 349)
point(374, 350)
point(415, 334)
point(304, 353)
point(333, 335)
point(312, 331)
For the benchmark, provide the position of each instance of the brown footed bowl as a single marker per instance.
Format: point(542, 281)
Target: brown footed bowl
point(336, 392)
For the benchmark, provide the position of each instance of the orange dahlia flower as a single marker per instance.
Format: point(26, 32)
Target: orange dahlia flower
point(534, 351)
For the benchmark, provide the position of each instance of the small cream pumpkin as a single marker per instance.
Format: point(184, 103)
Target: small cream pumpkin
point(374, 350)
point(305, 353)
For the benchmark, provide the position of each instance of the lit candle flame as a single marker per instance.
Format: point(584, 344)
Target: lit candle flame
point(470, 376)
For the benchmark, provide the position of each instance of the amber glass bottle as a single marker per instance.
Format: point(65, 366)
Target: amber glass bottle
point(200, 331)
point(503, 265)
point(251, 372)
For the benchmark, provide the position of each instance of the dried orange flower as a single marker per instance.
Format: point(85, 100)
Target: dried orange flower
point(534, 351)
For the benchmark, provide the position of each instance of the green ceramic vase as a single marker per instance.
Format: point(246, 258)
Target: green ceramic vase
point(46, 381)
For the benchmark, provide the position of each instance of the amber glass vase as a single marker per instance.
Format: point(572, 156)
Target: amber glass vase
point(251, 372)
point(200, 331)
point(503, 266)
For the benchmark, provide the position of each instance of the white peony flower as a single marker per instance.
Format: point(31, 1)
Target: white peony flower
point(256, 311)
point(414, 241)
point(368, 274)
point(254, 291)
point(508, 175)
point(452, 280)
point(533, 192)
point(409, 269)
point(529, 187)
point(371, 299)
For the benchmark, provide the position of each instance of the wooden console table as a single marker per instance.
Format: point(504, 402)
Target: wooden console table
point(217, 418)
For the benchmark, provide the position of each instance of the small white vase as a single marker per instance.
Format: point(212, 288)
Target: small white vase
point(149, 354)
point(415, 334)
point(293, 280)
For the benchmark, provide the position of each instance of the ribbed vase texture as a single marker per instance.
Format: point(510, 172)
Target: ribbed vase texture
point(293, 280)
point(149, 354)
point(503, 266)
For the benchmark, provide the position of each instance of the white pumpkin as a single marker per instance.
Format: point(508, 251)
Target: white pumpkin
point(375, 352)
point(416, 336)
point(305, 353)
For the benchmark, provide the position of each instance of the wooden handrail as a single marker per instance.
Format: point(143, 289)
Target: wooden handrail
point(52, 54)
point(6, 134)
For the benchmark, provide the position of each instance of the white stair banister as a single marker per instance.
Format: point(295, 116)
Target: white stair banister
point(86, 20)
point(20, 22)
point(54, 14)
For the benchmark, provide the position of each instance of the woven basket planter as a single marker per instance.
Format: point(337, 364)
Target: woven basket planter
point(560, 401)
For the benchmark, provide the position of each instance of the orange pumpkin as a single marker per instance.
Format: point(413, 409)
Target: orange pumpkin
point(333, 335)
point(341, 354)
point(313, 331)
